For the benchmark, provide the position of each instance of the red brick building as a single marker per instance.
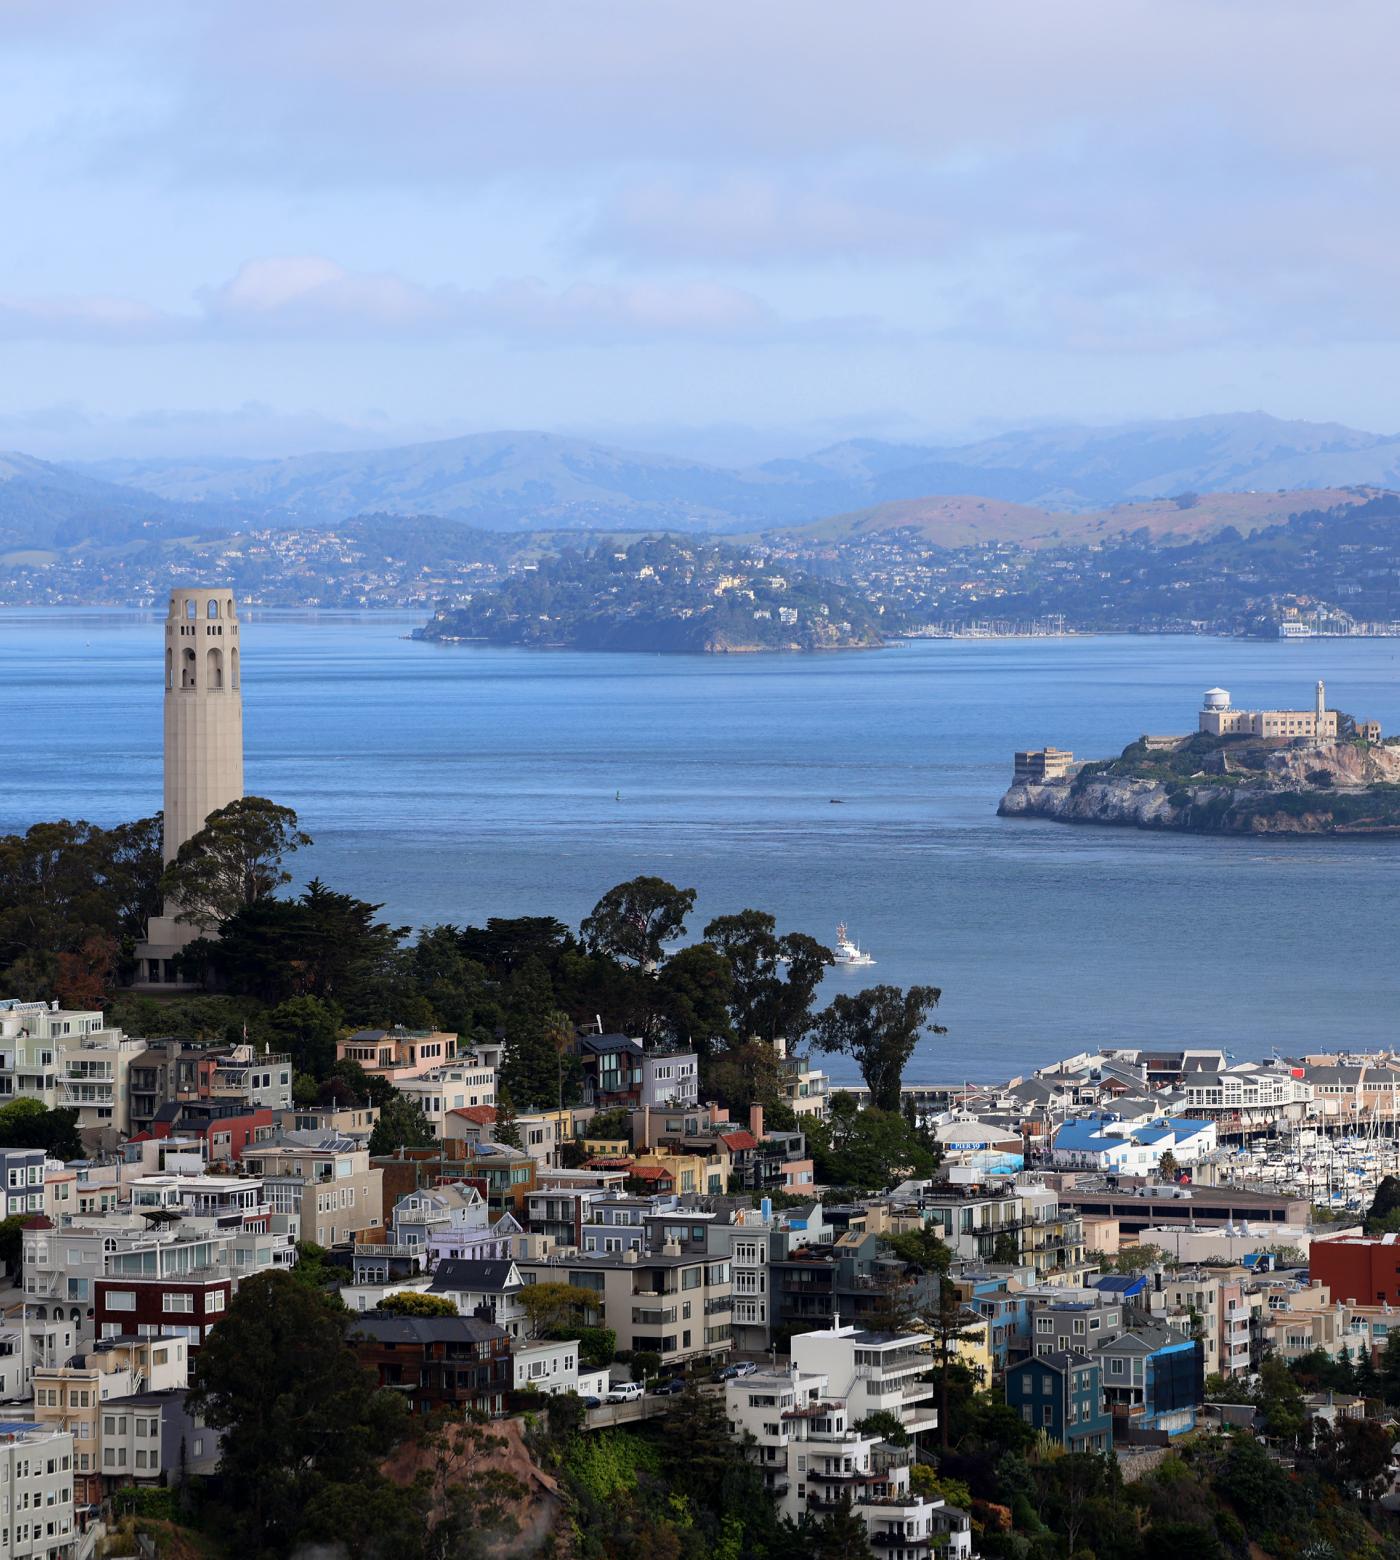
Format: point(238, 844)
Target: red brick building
point(1362, 1269)
point(184, 1307)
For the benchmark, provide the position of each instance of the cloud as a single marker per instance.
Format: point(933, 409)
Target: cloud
point(765, 218)
point(309, 296)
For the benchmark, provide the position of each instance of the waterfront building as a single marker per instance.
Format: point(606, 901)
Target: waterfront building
point(1041, 764)
point(1218, 718)
point(1106, 1142)
point(203, 747)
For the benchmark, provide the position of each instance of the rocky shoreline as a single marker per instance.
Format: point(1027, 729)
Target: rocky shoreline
point(1299, 788)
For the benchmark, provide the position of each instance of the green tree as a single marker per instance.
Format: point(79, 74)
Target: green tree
point(535, 1067)
point(552, 1308)
point(234, 861)
point(505, 1130)
point(867, 1150)
point(842, 1536)
point(27, 1123)
point(774, 978)
point(632, 921)
point(879, 1028)
point(12, 1243)
point(298, 1413)
point(401, 1125)
point(308, 1030)
point(412, 1302)
point(1167, 1166)
point(694, 992)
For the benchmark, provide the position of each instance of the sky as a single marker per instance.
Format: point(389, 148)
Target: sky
point(725, 229)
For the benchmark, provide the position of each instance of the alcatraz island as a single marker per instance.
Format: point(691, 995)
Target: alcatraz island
point(1309, 771)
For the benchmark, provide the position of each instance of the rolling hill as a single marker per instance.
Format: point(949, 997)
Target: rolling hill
point(967, 521)
point(532, 481)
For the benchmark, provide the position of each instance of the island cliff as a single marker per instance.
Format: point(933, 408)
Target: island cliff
point(1206, 784)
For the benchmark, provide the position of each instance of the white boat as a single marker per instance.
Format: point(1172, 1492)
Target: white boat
point(850, 953)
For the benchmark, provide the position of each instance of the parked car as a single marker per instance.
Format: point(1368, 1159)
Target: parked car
point(725, 1373)
point(745, 1368)
point(626, 1392)
point(668, 1388)
point(589, 1401)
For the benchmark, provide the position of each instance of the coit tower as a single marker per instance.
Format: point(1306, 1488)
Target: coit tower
point(203, 711)
point(203, 745)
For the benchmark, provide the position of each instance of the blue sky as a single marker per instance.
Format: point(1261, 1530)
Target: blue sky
point(723, 228)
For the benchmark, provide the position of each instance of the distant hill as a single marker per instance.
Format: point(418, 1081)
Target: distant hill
point(49, 506)
point(532, 481)
point(967, 521)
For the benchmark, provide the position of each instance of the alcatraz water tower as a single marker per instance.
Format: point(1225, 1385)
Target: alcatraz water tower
point(203, 743)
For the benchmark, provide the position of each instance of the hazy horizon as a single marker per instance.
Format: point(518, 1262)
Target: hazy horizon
point(726, 232)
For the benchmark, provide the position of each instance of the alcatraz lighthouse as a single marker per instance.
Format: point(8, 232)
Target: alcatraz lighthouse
point(203, 744)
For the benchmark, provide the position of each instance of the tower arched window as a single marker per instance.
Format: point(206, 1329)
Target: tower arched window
point(233, 668)
point(213, 608)
point(214, 670)
point(191, 610)
point(187, 668)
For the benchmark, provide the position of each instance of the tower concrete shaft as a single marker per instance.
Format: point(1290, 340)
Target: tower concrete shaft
point(203, 711)
point(203, 747)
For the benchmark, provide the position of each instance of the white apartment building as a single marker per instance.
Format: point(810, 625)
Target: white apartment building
point(462, 1083)
point(67, 1059)
point(812, 1459)
point(36, 1476)
point(873, 1372)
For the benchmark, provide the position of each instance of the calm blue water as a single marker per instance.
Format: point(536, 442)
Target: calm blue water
point(453, 783)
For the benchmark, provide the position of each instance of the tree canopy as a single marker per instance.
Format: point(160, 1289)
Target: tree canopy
point(233, 862)
point(300, 1418)
point(879, 1028)
point(633, 920)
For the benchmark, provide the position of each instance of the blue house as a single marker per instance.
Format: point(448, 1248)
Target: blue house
point(1007, 1316)
point(1153, 1377)
point(1062, 1394)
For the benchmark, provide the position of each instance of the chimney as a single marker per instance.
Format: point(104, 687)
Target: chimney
point(756, 1121)
point(646, 1126)
point(715, 1116)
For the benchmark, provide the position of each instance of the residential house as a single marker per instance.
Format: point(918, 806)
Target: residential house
point(459, 1363)
point(325, 1187)
point(1061, 1394)
point(665, 1303)
point(877, 1372)
point(1153, 1377)
point(487, 1289)
point(398, 1054)
point(36, 1474)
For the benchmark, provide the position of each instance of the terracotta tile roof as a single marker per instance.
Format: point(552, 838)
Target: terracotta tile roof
point(737, 1140)
point(483, 1115)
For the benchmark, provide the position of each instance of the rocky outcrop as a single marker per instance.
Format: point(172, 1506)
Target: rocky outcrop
point(1339, 788)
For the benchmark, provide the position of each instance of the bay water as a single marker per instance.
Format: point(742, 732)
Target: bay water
point(451, 783)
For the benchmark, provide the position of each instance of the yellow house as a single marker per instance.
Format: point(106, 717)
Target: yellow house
point(689, 1172)
point(974, 1348)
